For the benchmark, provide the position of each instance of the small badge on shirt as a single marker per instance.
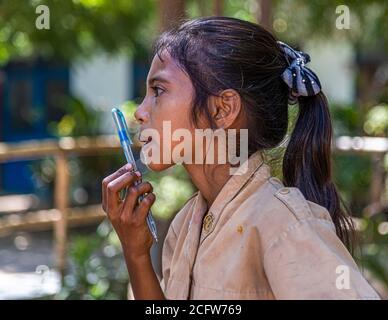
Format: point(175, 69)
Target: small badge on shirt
point(208, 222)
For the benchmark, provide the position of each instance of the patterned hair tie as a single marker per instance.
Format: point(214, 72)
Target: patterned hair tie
point(301, 80)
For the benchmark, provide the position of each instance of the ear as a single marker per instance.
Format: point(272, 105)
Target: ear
point(225, 108)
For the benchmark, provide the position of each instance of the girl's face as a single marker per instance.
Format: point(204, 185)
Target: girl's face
point(168, 99)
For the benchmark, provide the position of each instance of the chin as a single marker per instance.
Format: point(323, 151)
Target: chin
point(159, 166)
point(153, 166)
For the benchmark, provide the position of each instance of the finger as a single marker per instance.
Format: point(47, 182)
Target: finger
point(111, 177)
point(144, 207)
point(115, 186)
point(133, 194)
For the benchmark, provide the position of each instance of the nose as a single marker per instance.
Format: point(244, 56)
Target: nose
point(142, 114)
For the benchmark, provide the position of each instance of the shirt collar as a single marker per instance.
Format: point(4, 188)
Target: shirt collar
point(255, 167)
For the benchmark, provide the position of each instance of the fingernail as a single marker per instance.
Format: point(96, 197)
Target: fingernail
point(138, 173)
point(129, 166)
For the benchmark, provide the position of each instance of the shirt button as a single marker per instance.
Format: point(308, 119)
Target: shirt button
point(284, 191)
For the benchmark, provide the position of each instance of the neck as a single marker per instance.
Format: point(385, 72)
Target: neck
point(209, 179)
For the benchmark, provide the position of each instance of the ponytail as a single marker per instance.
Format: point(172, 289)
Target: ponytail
point(307, 162)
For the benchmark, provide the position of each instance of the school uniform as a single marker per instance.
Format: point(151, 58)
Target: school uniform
point(258, 240)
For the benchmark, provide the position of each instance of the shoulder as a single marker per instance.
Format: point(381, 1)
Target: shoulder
point(293, 199)
point(277, 210)
point(274, 199)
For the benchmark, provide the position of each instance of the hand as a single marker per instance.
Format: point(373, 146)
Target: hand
point(127, 216)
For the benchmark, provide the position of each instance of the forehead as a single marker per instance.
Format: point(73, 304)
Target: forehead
point(167, 69)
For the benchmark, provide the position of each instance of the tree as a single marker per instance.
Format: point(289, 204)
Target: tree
point(77, 28)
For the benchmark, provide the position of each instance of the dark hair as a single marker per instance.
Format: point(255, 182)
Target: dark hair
point(219, 53)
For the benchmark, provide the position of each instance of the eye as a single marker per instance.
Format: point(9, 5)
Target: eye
point(157, 90)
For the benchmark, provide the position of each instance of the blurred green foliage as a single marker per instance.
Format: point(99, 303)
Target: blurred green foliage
point(172, 188)
point(78, 120)
point(376, 123)
point(352, 175)
point(97, 269)
point(297, 20)
point(78, 28)
point(374, 254)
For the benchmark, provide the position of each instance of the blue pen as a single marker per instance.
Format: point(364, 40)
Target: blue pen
point(125, 141)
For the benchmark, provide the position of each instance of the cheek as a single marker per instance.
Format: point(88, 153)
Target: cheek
point(175, 114)
point(183, 129)
point(168, 115)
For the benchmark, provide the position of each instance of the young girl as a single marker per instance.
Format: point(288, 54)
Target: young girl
point(245, 235)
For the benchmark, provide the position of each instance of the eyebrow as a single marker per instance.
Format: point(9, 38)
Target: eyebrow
point(157, 78)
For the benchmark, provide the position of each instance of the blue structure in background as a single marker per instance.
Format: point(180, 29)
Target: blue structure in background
point(30, 100)
point(140, 72)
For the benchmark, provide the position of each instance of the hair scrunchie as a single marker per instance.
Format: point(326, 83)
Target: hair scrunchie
point(301, 80)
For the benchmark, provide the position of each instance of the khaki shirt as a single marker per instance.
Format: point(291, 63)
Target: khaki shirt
point(258, 240)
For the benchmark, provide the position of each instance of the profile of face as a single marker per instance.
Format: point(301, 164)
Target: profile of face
point(168, 104)
point(167, 100)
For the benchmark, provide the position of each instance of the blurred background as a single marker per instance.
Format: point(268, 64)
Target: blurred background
point(57, 140)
